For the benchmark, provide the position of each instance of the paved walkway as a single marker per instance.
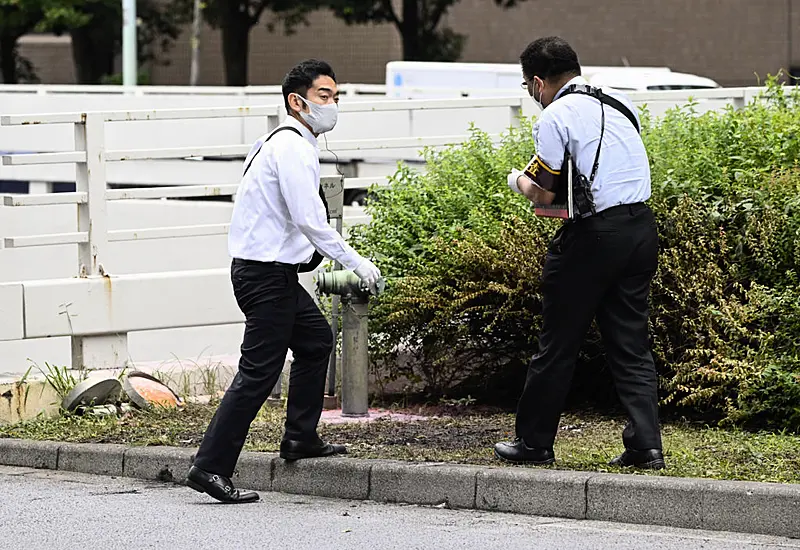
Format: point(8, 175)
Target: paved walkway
point(50, 509)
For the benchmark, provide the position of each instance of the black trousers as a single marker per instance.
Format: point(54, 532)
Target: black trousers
point(600, 266)
point(279, 315)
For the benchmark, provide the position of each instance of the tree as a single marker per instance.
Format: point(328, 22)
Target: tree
point(235, 19)
point(95, 27)
point(19, 17)
point(418, 24)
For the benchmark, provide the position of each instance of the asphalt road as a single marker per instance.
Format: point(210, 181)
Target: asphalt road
point(43, 509)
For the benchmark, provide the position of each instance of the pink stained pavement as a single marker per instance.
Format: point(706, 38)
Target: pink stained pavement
point(334, 416)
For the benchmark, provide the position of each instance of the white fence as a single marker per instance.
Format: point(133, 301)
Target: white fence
point(96, 304)
point(378, 131)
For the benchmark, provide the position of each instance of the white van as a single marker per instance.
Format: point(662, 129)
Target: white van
point(644, 80)
point(425, 80)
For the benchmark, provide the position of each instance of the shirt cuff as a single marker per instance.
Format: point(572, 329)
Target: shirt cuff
point(351, 259)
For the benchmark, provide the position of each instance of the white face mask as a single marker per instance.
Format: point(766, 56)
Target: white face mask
point(321, 118)
point(537, 101)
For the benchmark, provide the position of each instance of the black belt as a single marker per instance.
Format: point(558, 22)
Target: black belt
point(293, 267)
point(621, 209)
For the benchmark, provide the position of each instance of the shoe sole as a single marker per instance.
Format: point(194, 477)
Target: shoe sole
point(199, 489)
point(195, 486)
point(533, 462)
point(653, 465)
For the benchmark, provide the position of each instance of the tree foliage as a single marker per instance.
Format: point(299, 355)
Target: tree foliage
point(419, 23)
point(236, 18)
point(95, 27)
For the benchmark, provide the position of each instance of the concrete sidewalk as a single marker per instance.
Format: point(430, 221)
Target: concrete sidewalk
point(747, 507)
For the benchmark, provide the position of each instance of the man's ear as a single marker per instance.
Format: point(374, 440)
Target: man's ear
point(296, 103)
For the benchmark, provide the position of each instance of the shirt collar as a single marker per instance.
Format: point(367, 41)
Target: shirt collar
point(576, 80)
point(294, 123)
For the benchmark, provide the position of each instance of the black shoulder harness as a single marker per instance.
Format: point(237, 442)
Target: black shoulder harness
point(598, 94)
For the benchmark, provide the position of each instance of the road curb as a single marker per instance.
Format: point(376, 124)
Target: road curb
point(737, 506)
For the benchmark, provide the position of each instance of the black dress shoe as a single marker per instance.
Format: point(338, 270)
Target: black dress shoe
point(650, 459)
point(291, 449)
point(519, 453)
point(218, 487)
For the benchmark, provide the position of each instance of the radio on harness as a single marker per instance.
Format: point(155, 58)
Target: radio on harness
point(573, 193)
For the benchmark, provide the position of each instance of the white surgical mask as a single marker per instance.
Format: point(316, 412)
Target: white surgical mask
point(321, 118)
point(537, 101)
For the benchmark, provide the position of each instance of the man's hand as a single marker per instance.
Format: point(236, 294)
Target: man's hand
point(369, 275)
point(522, 184)
point(512, 181)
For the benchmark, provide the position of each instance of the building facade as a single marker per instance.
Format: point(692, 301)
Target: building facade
point(735, 42)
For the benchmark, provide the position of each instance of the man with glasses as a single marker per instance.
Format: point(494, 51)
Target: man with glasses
point(601, 261)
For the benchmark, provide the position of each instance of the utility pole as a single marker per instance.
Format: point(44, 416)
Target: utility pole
point(129, 65)
point(195, 71)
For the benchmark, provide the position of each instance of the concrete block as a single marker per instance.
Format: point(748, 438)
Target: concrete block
point(29, 454)
point(535, 492)
point(765, 508)
point(675, 502)
point(323, 477)
point(254, 471)
point(11, 312)
point(424, 483)
point(25, 400)
point(91, 458)
point(128, 303)
point(158, 463)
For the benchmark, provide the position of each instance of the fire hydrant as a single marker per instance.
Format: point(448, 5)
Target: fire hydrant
point(355, 336)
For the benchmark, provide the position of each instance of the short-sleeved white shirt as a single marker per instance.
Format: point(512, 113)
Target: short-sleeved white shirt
point(573, 121)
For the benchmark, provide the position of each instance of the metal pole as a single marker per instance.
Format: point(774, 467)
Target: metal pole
point(129, 65)
point(355, 358)
point(195, 72)
point(334, 324)
point(335, 334)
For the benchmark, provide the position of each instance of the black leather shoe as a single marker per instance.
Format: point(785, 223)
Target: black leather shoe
point(650, 459)
point(291, 449)
point(519, 453)
point(218, 487)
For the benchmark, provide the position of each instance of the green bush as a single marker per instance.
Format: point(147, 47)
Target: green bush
point(463, 256)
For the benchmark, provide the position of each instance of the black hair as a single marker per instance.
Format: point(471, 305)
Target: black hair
point(302, 76)
point(548, 57)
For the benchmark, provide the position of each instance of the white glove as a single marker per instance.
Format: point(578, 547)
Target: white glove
point(369, 275)
point(512, 180)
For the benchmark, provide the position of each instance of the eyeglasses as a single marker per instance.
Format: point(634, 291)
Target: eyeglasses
point(524, 85)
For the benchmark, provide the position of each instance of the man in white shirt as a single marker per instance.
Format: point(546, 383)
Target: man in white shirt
point(600, 262)
point(280, 228)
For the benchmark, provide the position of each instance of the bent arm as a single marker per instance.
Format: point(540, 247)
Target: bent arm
point(534, 192)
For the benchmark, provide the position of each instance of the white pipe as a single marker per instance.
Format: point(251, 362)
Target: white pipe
point(129, 65)
point(195, 69)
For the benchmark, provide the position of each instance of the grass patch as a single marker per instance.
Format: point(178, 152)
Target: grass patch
point(585, 442)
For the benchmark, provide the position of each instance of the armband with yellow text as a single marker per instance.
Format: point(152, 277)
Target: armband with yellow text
point(544, 176)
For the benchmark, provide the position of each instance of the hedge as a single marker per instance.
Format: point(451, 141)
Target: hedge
point(463, 255)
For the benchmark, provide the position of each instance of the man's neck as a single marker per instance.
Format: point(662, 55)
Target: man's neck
point(562, 81)
point(299, 119)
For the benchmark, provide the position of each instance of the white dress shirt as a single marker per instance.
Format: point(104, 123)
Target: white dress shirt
point(278, 214)
point(573, 121)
